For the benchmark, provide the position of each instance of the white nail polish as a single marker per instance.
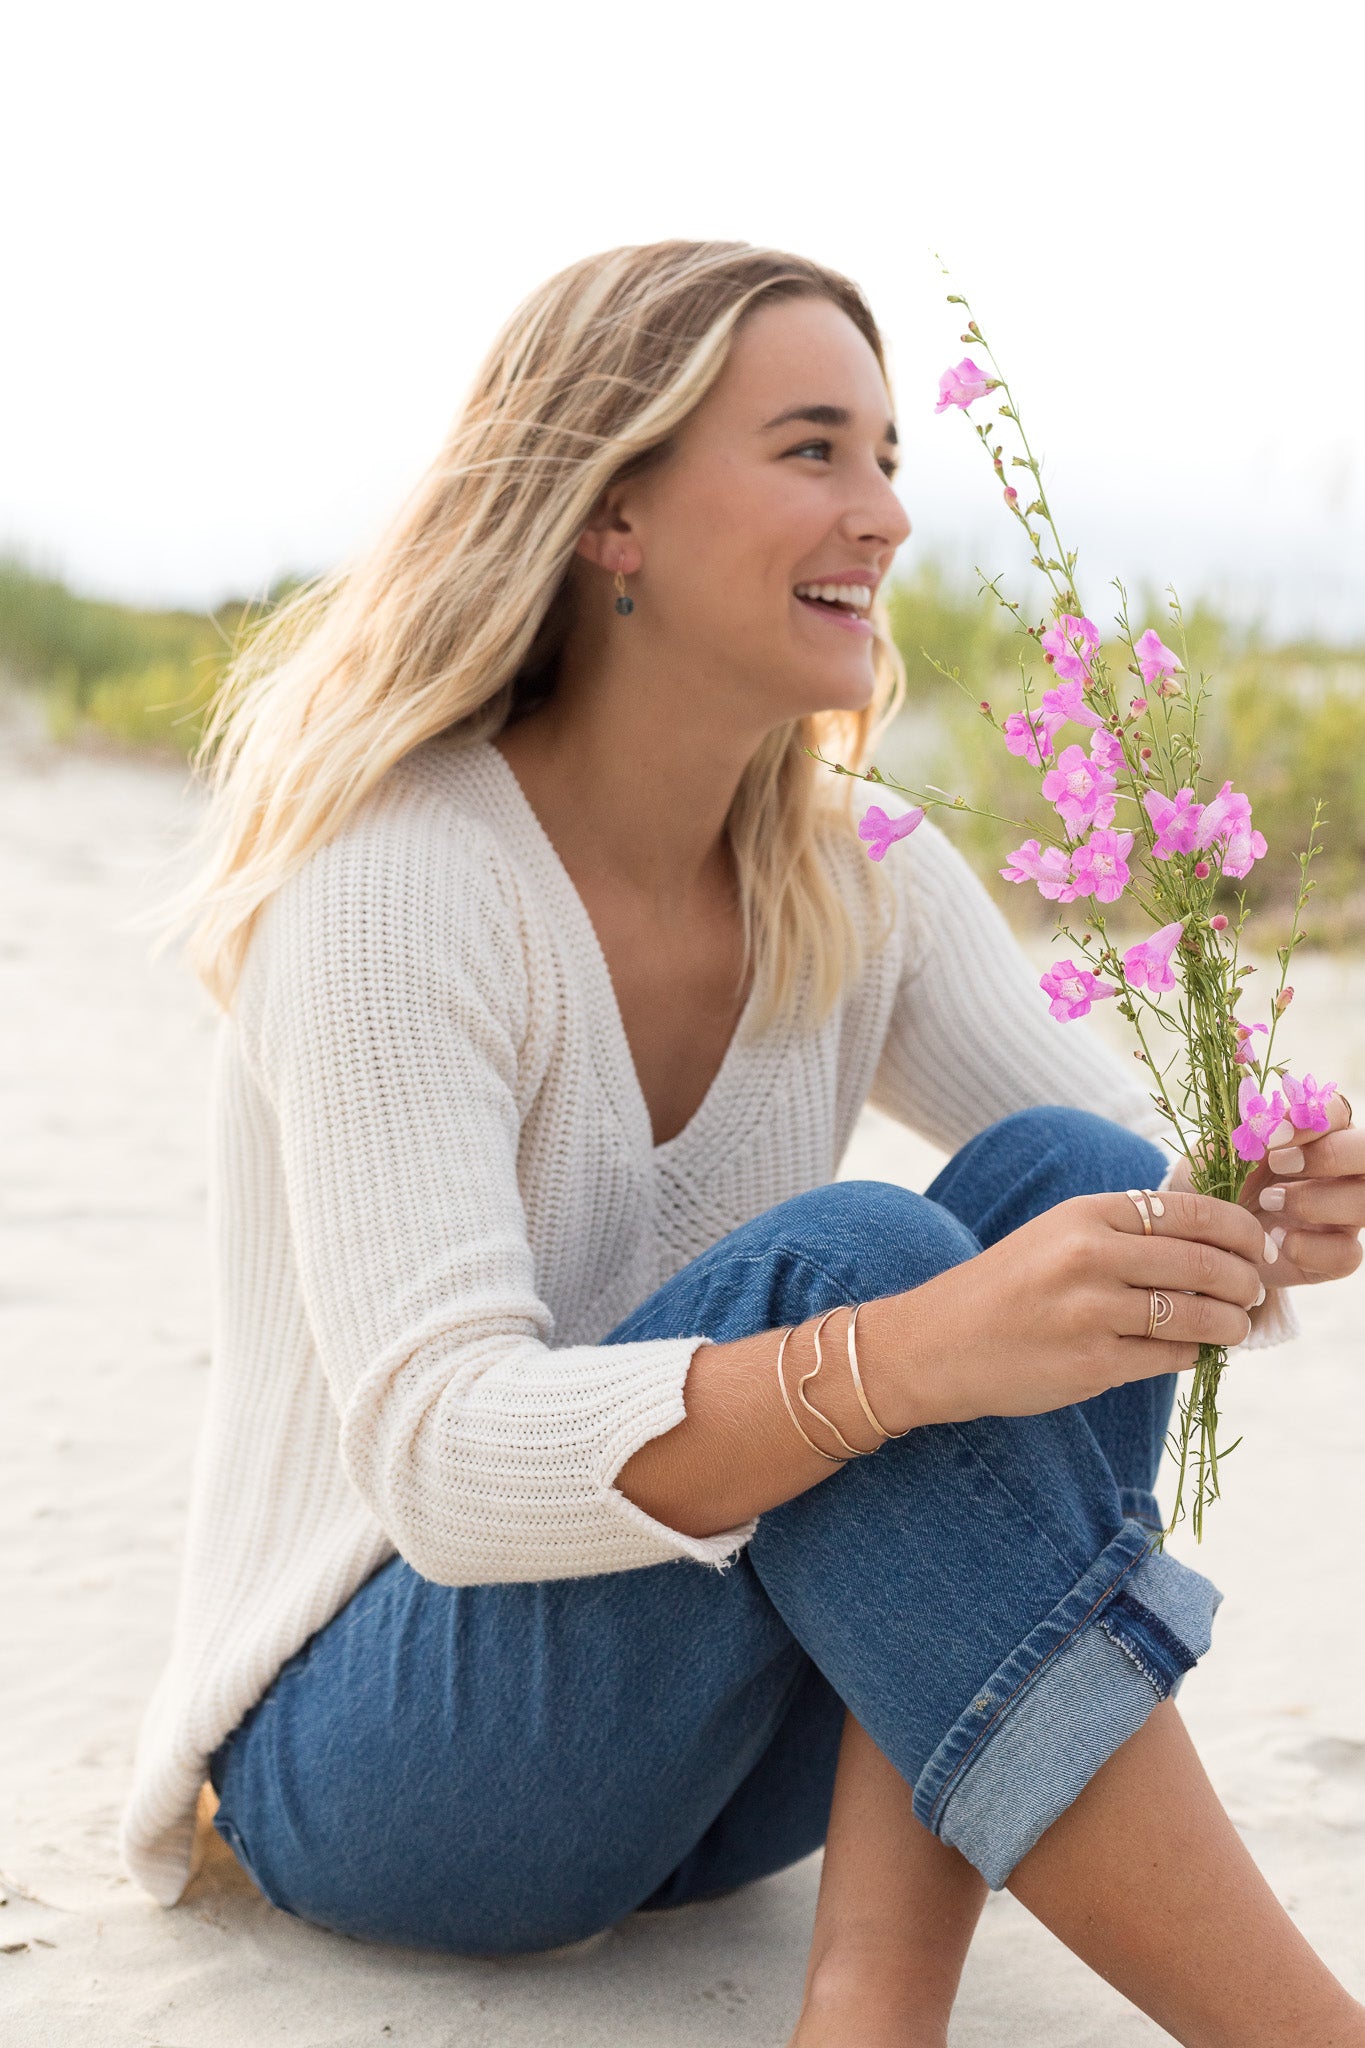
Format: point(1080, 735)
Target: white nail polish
point(1272, 1250)
point(1278, 1235)
point(1282, 1132)
point(1260, 1297)
point(1290, 1160)
point(1271, 1198)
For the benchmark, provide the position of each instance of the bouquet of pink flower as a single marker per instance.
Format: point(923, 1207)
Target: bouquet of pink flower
point(1165, 854)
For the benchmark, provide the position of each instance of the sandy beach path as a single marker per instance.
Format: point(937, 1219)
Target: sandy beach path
point(103, 1318)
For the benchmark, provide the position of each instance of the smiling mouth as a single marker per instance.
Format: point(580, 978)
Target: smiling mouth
point(854, 600)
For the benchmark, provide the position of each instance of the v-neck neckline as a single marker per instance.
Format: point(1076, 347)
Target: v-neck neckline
point(630, 1094)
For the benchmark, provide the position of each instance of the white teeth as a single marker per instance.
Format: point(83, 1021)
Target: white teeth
point(857, 596)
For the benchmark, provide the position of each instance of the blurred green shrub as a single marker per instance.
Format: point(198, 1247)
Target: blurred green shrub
point(1285, 722)
point(144, 678)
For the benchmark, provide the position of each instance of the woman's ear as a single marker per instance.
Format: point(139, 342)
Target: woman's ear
point(609, 540)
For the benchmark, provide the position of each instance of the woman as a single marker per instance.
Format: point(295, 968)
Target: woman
point(521, 1588)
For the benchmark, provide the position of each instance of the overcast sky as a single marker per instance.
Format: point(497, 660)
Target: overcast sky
point(255, 252)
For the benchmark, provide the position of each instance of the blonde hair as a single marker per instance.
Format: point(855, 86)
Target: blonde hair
point(453, 620)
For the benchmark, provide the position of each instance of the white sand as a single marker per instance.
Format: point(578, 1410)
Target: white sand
point(103, 1313)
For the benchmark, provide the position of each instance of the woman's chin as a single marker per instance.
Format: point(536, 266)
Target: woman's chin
point(842, 685)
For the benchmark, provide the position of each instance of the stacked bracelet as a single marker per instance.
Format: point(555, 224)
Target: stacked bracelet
point(886, 1435)
point(883, 1435)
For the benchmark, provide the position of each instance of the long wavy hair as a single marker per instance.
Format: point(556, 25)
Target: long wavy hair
point(452, 622)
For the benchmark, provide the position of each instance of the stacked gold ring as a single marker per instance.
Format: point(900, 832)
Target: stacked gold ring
point(1163, 1308)
point(1147, 1205)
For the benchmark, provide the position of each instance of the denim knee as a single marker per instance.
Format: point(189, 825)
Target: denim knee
point(874, 1237)
point(1101, 1153)
point(1027, 1162)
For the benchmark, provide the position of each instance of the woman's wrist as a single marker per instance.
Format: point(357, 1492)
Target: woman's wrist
point(887, 1366)
point(896, 1363)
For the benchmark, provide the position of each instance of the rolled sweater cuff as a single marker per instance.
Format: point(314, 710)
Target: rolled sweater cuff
point(718, 1550)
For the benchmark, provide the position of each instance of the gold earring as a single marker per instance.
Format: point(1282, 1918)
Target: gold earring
point(624, 604)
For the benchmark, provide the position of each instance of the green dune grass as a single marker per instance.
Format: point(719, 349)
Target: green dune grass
point(1285, 721)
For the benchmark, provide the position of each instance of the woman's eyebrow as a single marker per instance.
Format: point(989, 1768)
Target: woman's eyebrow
point(823, 416)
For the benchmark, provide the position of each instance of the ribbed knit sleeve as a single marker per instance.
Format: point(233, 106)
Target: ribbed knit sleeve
point(971, 1036)
point(384, 1006)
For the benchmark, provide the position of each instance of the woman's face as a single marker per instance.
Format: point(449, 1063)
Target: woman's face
point(755, 548)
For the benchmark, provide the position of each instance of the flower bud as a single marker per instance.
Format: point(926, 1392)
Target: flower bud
point(1219, 923)
point(1201, 868)
point(1283, 1000)
point(1138, 704)
point(1011, 496)
point(985, 706)
point(1146, 753)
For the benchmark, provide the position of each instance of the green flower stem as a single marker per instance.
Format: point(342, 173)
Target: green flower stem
point(1207, 1077)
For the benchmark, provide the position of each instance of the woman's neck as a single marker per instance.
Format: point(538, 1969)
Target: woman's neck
point(629, 793)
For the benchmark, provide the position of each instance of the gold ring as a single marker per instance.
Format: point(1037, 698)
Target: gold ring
point(1162, 1309)
point(1147, 1205)
point(1350, 1115)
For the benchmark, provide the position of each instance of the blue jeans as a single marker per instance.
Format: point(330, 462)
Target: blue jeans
point(488, 1769)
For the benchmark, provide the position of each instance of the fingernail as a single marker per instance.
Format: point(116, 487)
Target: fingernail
point(1271, 1198)
point(1282, 1132)
point(1272, 1249)
point(1260, 1297)
point(1290, 1160)
point(1278, 1236)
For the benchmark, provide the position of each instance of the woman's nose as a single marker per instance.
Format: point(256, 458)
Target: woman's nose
point(883, 521)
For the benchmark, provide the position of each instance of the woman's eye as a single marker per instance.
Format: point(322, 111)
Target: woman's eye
point(824, 451)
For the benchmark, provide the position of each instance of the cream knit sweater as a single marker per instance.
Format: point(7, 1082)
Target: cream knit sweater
point(434, 1189)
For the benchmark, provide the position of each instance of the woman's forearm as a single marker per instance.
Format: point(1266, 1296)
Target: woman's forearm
point(737, 1454)
point(1049, 1315)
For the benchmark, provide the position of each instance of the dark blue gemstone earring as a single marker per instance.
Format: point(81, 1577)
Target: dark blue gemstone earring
point(624, 604)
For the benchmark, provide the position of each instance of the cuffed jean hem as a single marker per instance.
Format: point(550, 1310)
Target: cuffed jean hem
point(1077, 1687)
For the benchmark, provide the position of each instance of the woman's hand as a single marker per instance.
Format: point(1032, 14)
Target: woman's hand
point(1057, 1311)
point(1321, 1211)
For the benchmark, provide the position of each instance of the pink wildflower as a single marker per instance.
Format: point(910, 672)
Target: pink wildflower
point(1100, 867)
point(1246, 1052)
point(1176, 820)
point(1106, 750)
point(1072, 990)
point(1070, 645)
point(1050, 868)
point(1309, 1102)
point(1081, 791)
point(1020, 740)
point(1149, 965)
point(1228, 817)
point(1259, 1119)
point(1137, 704)
point(1155, 660)
point(1067, 701)
point(880, 831)
point(963, 385)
